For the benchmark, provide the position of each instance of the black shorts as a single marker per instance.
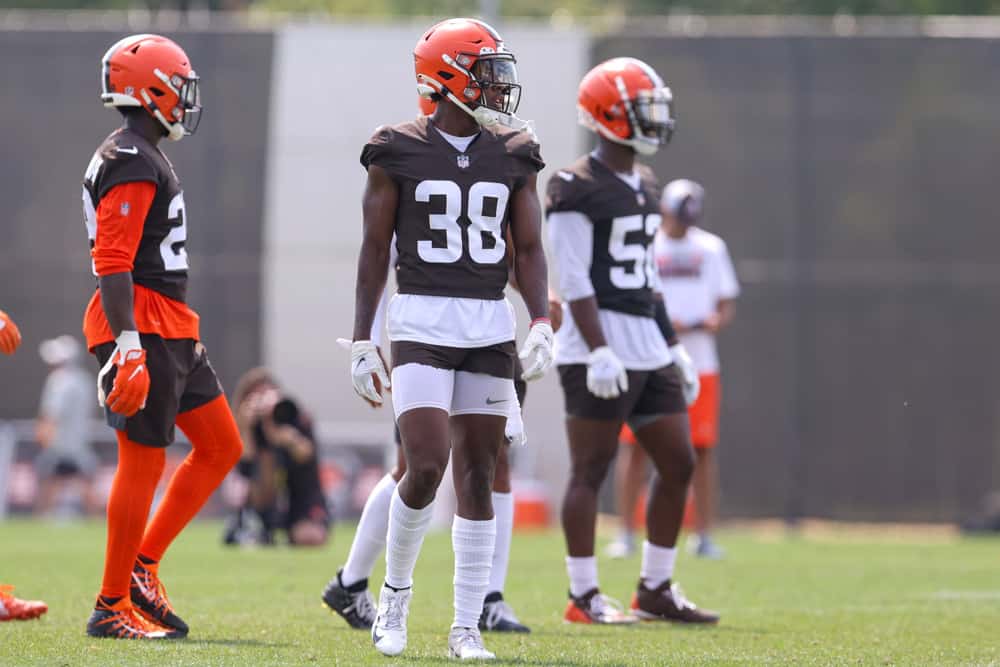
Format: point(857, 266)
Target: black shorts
point(650, 394)
point(180, 380)
point(496, 360)
point(520, 386)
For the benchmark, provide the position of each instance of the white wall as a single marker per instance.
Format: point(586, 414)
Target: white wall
point(333, 84)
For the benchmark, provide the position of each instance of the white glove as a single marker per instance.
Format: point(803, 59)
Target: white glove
point(606, 375)
point(366, 365)
point(514, 431)
point(689, 374)
point(539, 343)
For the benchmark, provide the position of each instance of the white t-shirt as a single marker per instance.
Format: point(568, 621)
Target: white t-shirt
point(695, 274)
point(441, 320)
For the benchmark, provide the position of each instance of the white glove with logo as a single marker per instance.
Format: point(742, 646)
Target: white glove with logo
point(514, 431)
point(539, 343)
point(689, 374)
point(606, 375)
point(366, 365)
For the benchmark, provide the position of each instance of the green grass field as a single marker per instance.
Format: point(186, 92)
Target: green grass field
point(837, 599)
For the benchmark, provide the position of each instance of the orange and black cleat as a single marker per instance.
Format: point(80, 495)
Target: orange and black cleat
point(16, 609)
point(593, 607)
point(116, 619)
point(149, 598)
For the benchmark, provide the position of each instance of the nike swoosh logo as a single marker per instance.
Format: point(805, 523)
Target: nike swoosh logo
point(130, 151)
point(566, 176)
point(490, 401)
point(376, 637)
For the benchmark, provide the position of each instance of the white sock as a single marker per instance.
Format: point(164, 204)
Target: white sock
point(657, 564)
point(503, 511)
point(369, 538)
point(582, 574)
point(474, 543)
point(407, 528)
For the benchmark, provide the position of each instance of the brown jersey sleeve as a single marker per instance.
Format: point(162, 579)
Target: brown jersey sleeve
point(561, 193)
point(527, 155)
point(379, 150)
point(121, 165)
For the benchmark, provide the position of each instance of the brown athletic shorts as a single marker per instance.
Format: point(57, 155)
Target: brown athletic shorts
point(650, 394)
point(180, 379)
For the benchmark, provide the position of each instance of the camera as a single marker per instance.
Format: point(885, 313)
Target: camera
point(286, 412)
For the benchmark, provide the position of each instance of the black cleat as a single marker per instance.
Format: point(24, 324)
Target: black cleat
point(666, 602)
point(498, 616)
point(149, 598)
point(354, 603)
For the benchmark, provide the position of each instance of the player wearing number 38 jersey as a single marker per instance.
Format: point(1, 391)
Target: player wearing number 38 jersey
point(154, 372)
point(453, 189)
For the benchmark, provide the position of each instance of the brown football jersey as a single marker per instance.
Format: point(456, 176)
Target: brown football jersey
point(454, 206)
point(161, 259)
point(624, 222)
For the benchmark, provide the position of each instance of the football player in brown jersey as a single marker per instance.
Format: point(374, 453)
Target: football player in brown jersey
point(155, 372)
point(618, 357)
point(347, 592)
point(448, 188)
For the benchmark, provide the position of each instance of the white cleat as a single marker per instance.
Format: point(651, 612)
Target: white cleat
point(467, 644)
point(389, 629)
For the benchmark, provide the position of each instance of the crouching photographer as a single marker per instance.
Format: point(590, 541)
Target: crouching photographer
point(280, 464)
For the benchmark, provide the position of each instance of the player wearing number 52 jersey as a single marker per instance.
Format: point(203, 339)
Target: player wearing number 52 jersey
point(449, 188)
point(619, 360)
point(155, 373)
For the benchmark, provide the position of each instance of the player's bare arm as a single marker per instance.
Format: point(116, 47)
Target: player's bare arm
point(584, 313)
point(531, 272)
point(117, 301)
point(379, 216)
point(530, 268)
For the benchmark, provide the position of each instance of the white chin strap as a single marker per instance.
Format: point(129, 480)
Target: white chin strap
point(483, 115)
point(175, 131)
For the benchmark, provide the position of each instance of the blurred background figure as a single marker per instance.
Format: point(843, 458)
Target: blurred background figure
point(67, 461)
point(280, 466)
point(700, 288)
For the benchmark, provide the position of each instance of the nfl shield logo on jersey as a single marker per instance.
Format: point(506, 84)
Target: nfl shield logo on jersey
point(463, 161)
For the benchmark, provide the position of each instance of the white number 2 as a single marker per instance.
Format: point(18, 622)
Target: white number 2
point(640, 274)
point(481, 223)
point(172, 247)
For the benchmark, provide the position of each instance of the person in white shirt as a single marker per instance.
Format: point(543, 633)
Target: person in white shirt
point(700, 287)
point(67, 460)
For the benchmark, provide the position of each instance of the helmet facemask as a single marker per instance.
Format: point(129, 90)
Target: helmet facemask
point(493, 88)
point(496, 78)
point(183, 119)
point(650, 116)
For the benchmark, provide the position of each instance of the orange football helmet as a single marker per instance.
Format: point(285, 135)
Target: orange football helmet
point(154, 73)
point(624, 100)
point(465, 61)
